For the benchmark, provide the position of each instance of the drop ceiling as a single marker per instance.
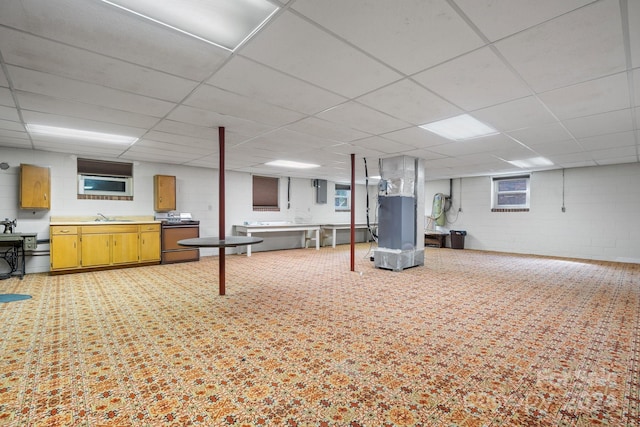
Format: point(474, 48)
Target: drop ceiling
point(326, 79)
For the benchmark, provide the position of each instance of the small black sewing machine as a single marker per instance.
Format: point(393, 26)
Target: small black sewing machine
point(8, 225)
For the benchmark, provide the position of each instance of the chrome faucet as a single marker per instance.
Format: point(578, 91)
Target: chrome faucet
point(103, 217)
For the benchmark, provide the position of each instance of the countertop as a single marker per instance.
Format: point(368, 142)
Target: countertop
point(113, 220)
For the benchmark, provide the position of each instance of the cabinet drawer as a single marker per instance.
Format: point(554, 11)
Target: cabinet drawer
point(30, 243)
point(102, 229)
point(181, 256)
point(63, 229)
point(149, 227)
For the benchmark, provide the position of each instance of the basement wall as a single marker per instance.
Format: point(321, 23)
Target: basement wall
point(600, 223)
point(601, 219)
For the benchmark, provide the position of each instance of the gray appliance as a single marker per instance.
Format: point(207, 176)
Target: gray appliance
point(400, 200)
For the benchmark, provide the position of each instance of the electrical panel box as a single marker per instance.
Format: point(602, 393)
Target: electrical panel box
point(321, 191)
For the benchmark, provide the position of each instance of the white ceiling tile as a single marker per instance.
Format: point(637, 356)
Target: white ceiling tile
point(271, 143)
point(212, 119)
point(383, 145)
point(326, 129)
point(12, 134)
point(618, 154)
point(417, 137)
point(157, 156)
point(636, 85)
point(85, 148)
point(46, 104)
point(541, 135)
point(634, 32)
point(500, 18)
point(35, 53)
point(172, 142)
point(572, 48)
point(599, 124)
point(292, 137)
point(12, 125)
point(612, 140)
point(411, 34)
point(478, 145)
point(423, 154)
point(321, 76)
point(301, 49)
point(9, 113)
point(159, 150)
point(362, 118)
point(16, 142)
point(180, 128)
point(576, 159)
point(517, 114)
point(114, 33)
point(63, 88)
point(617, 160)
point(3, 79)
point(362, 151)
point(5, 97)
point(596, 96)
point(227, 103)
point(259, 82)
point(475, 80)
point(558, 147)
point(409, 102)
point(80, 123)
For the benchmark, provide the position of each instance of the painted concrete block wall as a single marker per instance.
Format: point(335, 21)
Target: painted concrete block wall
point(602, 206)
point(196, 192)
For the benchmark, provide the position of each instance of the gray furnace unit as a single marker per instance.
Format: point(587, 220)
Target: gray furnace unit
point(400, 214)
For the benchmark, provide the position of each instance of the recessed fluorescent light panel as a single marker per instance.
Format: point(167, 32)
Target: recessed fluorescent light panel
point(531, 163)
point(84, 135)
point(460, 127)
point(291, 164)
point(223, 23)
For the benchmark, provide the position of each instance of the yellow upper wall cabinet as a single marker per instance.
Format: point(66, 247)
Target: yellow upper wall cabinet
point(35, 187)
point(164, 187)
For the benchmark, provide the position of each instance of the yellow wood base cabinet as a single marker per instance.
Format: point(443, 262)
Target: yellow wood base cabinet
point(101, 246)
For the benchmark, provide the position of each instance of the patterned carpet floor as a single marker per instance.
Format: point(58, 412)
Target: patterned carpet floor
point(470, 339)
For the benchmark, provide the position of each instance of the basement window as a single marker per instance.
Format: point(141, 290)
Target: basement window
point(104, 180)
point(265, 193)
point(510, 193)
point(343, 198)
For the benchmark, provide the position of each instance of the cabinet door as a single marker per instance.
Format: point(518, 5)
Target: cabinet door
point(35, 184)
point(96, 250)
point(149, 246)
point(124, 248)
point(164, 193)
point(64, 252)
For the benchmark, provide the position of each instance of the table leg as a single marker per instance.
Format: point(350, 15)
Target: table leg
point(333, 241)
point(248, 246)
point(317, 239)
point(23, 261)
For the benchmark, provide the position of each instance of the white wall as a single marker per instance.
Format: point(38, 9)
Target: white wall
point(600, 222)
point(601, 219)
point(196, 192)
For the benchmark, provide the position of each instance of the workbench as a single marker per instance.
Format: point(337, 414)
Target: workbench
point(249, 229)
